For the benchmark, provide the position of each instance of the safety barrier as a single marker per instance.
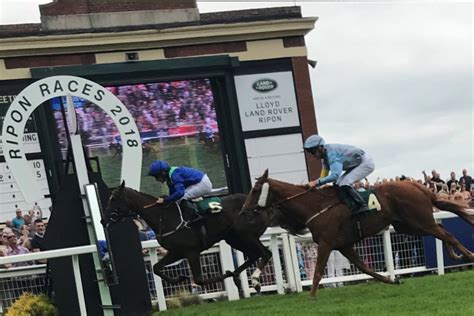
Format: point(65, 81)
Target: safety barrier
point(290, 269)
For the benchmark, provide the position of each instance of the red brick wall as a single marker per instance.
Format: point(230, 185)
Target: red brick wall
point(194, 50)
point(65, 7)
point(46, 61)
point(306, 109)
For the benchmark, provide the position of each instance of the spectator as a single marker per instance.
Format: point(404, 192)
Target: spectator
point(13, 248)
point(37, 243)
point(466, 195)
point(443, 193)
point(452, 180)
point(18, 221)
point(467, 179)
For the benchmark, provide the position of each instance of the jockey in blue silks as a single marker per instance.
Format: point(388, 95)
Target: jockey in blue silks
point(185, 184)
point(337, 158)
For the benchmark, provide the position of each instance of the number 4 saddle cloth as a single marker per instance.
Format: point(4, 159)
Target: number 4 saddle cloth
point(371, 199)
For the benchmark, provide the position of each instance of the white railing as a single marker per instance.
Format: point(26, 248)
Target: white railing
point(72, 252)
point(289, 267)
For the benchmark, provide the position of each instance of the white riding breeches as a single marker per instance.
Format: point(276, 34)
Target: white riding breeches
point(358, 173)
point(199, 189)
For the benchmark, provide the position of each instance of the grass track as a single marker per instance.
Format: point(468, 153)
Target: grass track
point(451, 294)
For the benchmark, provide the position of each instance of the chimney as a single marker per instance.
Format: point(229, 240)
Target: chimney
point(92, 14)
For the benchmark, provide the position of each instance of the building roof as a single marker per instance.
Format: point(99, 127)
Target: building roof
point(225, 17)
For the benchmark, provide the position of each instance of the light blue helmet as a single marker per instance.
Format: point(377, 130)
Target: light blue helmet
point(313, 141)
point(157, 167)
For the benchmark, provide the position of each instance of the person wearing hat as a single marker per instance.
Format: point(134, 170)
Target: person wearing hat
point(338, 158)
point(184, 183)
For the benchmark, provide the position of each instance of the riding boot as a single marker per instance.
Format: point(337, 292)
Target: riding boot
point(353, 200)
point(197, 219)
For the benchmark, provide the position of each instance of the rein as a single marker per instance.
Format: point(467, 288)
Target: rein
point(182, 223)
point(327, 208)
point(289, 198)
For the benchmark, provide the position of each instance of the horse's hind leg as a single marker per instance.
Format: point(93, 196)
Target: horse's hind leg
point(169, 258)
point(195, 264)
point(450, 241)
point(353, 257)
point(253, 249)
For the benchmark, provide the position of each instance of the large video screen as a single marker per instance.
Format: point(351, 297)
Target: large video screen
point(177, 123)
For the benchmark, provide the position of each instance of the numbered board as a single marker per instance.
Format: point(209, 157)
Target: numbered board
point(10, 196)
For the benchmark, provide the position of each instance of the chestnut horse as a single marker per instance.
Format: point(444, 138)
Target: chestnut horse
point(408, 206)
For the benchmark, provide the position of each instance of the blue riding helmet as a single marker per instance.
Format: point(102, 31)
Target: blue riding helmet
point(313, 141)
point(157, 167)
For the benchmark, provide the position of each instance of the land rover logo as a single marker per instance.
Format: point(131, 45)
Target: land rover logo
point(264, 85)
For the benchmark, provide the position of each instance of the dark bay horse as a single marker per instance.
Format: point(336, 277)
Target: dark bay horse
point(408, 206)
point(169, 221)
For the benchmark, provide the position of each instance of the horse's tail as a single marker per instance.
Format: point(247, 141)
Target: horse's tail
point(458, 208)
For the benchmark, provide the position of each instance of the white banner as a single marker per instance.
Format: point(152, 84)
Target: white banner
point(267, 101)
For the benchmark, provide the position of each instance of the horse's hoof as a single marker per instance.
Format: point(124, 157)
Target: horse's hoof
point(228, 274)
point(257, 288)
point(397, 281)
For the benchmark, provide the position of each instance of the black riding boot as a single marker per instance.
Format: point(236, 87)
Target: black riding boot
point(352, 199)
point(196, 216)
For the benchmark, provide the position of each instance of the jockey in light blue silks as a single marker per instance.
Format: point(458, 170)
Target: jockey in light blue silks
point(184, 183)
point(337, 158)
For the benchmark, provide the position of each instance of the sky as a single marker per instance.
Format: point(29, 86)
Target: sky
point(393, 78)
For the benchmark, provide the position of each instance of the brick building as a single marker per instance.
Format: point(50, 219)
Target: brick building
point(255, 62)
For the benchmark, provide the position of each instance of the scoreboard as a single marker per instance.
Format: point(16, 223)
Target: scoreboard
point(10, 196)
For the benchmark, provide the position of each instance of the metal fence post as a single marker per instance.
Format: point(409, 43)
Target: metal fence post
point(243, 275)
point(288, 259)
point(295, 263)
point(227, 263)
point(388, 254)
point(160, 294)
point(439, 253)
point(277, 263)
point(79, 289)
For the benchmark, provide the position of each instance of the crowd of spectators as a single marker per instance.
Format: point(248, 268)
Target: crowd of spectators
point(453, 188)
point(23, 234)
point(154, 107)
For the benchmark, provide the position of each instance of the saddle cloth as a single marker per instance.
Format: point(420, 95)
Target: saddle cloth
point(209, 205)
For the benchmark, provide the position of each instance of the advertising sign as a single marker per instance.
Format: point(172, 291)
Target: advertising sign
point(267, 101)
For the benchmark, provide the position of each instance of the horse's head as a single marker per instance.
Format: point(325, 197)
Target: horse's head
point(119, 206)
point(258, 197)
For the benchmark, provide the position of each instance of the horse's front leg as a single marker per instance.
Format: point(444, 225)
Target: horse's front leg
point(169, 258)
point(195, 264)
point(324, 250)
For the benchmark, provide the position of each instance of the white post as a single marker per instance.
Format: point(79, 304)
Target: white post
point(227, 263)
point(80, 290)
point(277, 263)
point(290, 274)
point(244, 281)
point(388, 254)
point(83, 180)
point(160, 294)
point(295, 264)
point(439, 253)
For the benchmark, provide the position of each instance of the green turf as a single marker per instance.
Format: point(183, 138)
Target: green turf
point(451, 294)
point(178, 152)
